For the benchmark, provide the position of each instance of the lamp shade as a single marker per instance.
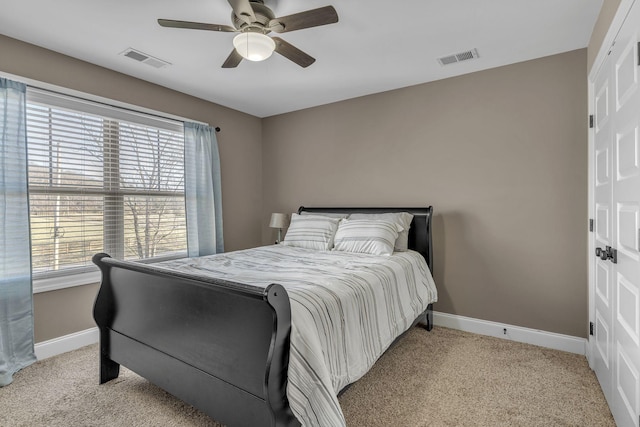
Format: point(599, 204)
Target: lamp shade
point(254, 46)
point(278, 220)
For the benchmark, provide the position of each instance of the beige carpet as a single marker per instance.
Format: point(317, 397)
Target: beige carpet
point(439, 378)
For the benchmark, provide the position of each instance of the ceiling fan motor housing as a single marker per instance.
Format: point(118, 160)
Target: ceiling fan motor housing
point(263, 14)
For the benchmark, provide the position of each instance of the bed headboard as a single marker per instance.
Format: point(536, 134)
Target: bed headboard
point(419, 234)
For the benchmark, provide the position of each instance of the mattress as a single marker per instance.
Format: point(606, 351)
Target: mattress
point(346, 310)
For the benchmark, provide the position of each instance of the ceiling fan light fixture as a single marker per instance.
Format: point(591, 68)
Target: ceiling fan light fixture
point(254, 46)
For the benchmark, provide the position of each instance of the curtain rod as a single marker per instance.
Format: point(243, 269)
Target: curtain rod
point(161, 116)
point(35, 84)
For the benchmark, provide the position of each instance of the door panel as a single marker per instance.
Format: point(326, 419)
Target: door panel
point(628, 229)
point(602, 168)
point(603, 224)
point(603, 285)
point(628, 389)
point(603, 338)
point(602, 103)
point(628, 307)
point(626, 74)
point(627, 148)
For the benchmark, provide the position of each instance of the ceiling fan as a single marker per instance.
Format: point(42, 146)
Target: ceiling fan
point(253, 20)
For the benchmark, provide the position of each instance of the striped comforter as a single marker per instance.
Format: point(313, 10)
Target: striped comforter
point(346, 309)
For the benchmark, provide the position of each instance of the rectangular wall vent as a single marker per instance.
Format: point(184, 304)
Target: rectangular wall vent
point(144, 58)
point(458, 57)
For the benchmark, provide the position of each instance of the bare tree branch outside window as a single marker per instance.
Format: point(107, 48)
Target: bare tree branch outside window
point(99, 184)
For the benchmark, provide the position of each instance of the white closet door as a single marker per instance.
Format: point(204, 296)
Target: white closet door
point(626, 200)
point(603, 230)
point(617, 210)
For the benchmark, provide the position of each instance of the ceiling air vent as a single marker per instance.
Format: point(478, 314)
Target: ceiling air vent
point(458, 57)
point(144, 58)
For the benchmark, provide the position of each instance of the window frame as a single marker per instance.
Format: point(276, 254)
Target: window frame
point(53, 280)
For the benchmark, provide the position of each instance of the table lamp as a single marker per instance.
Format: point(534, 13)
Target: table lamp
point(279, 221)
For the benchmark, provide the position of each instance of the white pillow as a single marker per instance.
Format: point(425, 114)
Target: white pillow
point(311, 232)
point(370, 236)
point(402, 219)
point(329, 214)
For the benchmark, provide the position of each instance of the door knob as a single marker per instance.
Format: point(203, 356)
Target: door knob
point(607, 253)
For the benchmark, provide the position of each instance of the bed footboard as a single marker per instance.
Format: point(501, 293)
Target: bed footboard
point(221, 346)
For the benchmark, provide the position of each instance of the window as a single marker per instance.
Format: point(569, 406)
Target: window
point(101, 179)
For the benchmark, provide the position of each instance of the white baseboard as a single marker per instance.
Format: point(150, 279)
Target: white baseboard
point(514, 333)
point(53, 347)
point(567, 343)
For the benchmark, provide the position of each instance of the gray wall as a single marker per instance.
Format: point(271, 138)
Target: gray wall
point(62, 312)
point(607, 12)
point(501, 155)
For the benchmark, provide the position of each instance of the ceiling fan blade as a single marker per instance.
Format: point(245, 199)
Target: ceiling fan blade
point(310, 18)
point(292, 53)
point(232, 60)
point(195, 25)
point(243, 10)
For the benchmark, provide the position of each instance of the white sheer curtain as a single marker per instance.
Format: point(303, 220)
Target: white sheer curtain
point(203, 194)
point(16, 297)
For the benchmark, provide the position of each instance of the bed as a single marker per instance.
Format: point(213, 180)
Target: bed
point(221, 345)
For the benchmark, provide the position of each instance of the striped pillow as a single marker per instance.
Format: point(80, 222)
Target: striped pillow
point(369, 236)
point(403, 219)
point(311, 232)
point(329, 214)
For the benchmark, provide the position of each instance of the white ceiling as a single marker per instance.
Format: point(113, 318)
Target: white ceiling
point(376, 45)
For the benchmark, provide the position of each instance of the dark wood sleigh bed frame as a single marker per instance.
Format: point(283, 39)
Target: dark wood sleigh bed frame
point(220, 346)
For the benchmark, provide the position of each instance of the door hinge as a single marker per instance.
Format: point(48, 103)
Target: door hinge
point(638, 53)
point(590, 224)
point(590, 328)
point(591, 121)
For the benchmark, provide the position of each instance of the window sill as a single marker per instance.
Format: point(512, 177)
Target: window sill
point(62, 282)
point(70, 280)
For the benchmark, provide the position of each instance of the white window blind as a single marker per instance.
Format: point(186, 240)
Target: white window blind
point(101, 179)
